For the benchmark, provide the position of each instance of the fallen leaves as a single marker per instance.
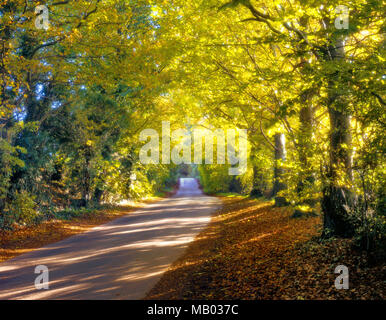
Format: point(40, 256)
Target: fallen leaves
point(252, 250)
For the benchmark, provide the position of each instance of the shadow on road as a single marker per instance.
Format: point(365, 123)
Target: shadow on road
point(119, 260)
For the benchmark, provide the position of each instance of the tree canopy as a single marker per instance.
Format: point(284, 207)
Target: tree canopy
point(304, 78)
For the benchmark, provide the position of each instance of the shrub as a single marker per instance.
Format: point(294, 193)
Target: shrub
point(370, 229)
point(21, 210)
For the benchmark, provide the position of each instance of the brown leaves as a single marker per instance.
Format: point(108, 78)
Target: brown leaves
point(255, 251)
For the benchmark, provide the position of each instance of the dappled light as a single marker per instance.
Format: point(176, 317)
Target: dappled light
point(190, 149)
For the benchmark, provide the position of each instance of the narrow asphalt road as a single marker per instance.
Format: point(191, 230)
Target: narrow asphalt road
point(122, 259)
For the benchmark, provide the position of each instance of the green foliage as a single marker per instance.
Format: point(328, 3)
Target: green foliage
point(216, 179)
point(21, 210)
point(72, 213)
point(69, 115)
point(370, 228)
point(9, 161)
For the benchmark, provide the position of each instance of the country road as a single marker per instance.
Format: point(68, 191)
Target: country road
point(122, 259)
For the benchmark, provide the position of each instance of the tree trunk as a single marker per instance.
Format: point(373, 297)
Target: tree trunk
point(305, 150)
point(337, 199)
point(98, 193)
point(258, 177)
point(86, 185)
point(278, 184)
point(305, 137)
point(257, 187)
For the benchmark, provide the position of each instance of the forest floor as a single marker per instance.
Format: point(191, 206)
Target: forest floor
point(25, 239)
point(252, 250)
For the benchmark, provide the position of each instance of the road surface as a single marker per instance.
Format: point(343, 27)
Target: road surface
point(122, 259)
